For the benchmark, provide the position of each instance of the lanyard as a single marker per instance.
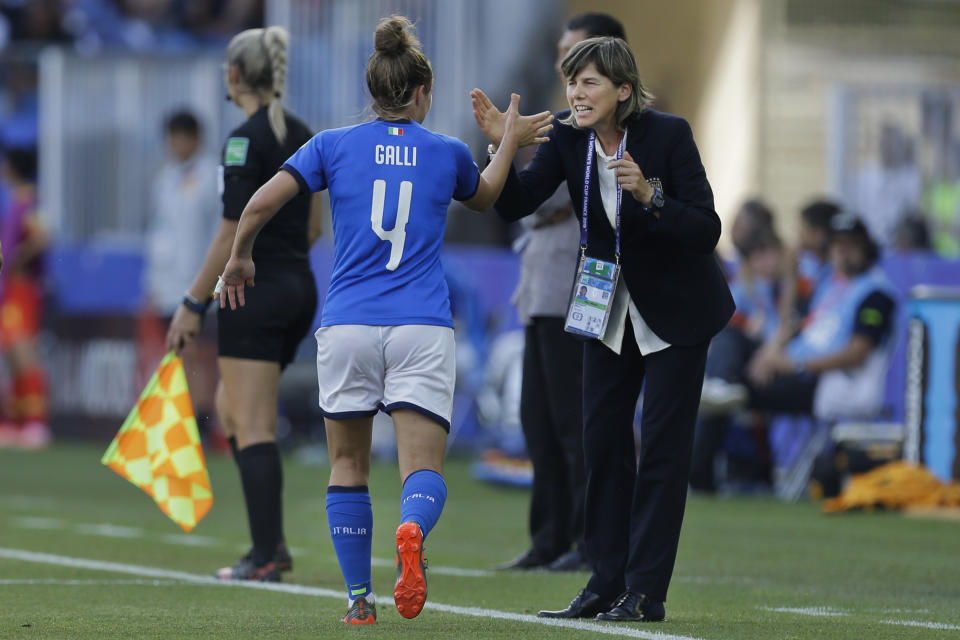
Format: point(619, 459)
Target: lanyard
point(827, 304)
point(587, 175)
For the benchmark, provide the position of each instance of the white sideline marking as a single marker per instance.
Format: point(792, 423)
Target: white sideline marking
point(828, 611)
point(920, 623)
point(151, 572)
point(93, 583)
point(194, 540)
point(29, 522)
point(30, 503)
point(807, 611)
point(109, 531)
point(189, 540)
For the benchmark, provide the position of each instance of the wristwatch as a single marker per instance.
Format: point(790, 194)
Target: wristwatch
point(656, 202)
point(195, 305)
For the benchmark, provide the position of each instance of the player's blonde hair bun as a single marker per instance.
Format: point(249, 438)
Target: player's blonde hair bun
point(394, 36)
point(396, 67)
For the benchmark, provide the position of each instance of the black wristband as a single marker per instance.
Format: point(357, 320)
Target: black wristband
point(195, 305)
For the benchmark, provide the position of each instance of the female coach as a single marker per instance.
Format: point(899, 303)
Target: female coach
point(386, 338)
point(256, 344)
point(643, 200)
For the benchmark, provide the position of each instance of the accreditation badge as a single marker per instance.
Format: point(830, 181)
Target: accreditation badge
point(592, 298)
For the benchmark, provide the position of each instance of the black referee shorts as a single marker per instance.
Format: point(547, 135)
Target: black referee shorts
point(279, 312)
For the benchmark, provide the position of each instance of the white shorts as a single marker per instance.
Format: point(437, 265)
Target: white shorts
point(362, 369)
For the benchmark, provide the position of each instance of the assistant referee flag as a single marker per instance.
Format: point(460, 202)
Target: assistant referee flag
point(158, 447)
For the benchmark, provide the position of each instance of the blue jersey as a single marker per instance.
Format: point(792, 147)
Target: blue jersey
point(390, 185)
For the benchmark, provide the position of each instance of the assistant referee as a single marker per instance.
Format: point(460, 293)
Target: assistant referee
point(255, 343)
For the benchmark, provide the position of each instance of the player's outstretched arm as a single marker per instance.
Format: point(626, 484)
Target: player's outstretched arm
point(259, 210)
point(512, 131)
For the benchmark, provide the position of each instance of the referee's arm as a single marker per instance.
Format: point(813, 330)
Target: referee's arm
point(217, 255)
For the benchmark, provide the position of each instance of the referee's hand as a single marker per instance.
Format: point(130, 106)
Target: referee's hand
point(237, 273)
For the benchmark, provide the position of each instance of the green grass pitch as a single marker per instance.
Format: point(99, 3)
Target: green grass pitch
point(748, 568)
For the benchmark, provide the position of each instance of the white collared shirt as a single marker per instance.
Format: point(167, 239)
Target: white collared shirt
point(647, 340)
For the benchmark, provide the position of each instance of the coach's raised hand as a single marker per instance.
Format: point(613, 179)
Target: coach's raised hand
point(532, 129)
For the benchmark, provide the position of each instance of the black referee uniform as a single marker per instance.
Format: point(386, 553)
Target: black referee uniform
point(279, 311)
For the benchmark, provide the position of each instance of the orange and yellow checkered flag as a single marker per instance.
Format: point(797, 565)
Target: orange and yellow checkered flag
point(158, 447)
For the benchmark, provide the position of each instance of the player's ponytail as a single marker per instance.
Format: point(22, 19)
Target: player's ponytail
point(397, 66)
point(276, 40)
point(260, 56)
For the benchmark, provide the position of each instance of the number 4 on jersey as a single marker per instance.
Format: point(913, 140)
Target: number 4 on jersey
point(398, 235)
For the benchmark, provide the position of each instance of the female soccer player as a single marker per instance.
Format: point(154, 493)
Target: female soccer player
point(386, 337)
point(255, 344)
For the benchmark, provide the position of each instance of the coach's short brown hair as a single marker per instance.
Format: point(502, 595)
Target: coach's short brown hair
point(614, 59)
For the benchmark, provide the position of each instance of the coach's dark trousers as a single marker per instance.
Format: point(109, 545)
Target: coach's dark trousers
point(552, 417)
point(634, 509)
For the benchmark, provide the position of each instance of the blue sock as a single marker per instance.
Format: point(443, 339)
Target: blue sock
point(422, 498)
point(351, 528)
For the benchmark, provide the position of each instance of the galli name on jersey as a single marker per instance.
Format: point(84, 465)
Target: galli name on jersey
point(395, 154)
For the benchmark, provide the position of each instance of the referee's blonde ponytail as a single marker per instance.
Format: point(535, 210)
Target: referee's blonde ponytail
point(260, 56)
point(277, 40)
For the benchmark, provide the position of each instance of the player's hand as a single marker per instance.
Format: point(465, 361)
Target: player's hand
point(183, 329)
point(531, 129)
point(526, 130)
point(237, 273)
point(631, 179)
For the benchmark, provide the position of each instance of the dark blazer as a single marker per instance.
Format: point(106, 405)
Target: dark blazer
point(668, 265)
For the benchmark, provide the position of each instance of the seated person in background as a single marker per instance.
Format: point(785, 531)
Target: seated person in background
point(912, 234)
point(755, 290)
point(752, 217)
point(837, 366)
point(813, 266)
point(806, 270)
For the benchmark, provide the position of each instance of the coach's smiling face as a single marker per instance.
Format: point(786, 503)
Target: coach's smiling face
point(593, 98)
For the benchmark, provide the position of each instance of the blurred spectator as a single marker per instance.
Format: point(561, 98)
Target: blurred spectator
point(813, 251)
point(18, 103)
point(24, 241)
point(807, 270)
point(756, 291)
point(93, 25)
point(942, 201)
point(34, 20)
point(911, 234)
point(753, 217)
point(887, 191)
point(184, 214)
point(551, 406)
point(837, 366)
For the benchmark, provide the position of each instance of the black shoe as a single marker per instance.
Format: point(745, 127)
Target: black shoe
point(245, 569)
point(570, 561)
point(587, 604)
point(634, 607)
point(528, 560)
point(282, 559)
